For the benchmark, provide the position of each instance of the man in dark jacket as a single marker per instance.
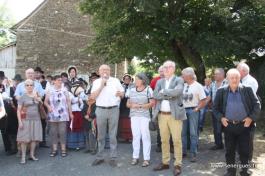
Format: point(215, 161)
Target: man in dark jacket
point(238, 108)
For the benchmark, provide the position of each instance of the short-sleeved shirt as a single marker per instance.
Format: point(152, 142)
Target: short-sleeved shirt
point(192, 94)
point(58, 102)
point(107, 96)
point(20, 90)
point(140, 97)
point(32, 110)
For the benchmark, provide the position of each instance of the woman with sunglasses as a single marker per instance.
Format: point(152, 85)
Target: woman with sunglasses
point(30, 129)
point(58, 104)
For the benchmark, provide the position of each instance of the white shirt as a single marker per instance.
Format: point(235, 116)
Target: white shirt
point(249, 81)
point(165, 106)
point(192, 94)
point(76, 103)
point(107, 97)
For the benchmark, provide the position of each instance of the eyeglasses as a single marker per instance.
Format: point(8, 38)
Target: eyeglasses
point(29, 85)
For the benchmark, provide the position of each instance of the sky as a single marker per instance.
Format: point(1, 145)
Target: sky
point(19, 9)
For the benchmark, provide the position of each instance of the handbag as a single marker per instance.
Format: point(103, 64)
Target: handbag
point(43, 114)
point(152, 124)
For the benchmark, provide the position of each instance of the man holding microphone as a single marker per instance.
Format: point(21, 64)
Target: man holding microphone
point(107, 91)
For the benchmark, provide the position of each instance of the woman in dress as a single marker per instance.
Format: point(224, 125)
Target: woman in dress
point(57, 101)
point(140, 100)
point(29, 122)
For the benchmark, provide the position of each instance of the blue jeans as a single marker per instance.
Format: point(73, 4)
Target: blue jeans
point(191, 125)
point(202, 116)
point(217, 131)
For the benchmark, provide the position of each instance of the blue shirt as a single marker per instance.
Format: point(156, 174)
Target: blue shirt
point(20, 90)
point(235, 109)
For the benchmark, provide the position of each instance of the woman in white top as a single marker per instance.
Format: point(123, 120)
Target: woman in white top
point(140, 100)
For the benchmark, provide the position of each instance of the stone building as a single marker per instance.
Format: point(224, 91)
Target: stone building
point(54, 37)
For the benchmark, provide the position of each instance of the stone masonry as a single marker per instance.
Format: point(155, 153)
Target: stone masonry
point(54, 37)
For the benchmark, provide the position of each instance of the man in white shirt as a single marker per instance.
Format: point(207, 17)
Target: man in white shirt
point(194, 99)
point(248, 81)
point(107, 91)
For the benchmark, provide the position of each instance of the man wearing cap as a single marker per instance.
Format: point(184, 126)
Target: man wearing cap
point(107, 91)
point(171, 113)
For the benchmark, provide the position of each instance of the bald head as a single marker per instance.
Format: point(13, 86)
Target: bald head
point(29, 73)
point(104, 71)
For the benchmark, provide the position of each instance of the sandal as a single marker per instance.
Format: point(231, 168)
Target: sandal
point(53, 153)
point(23, 160)
point(134, 161)
point(64, 153)
point(146, 163)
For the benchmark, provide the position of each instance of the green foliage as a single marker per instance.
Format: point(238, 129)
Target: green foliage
point(5, 23)
point(219, 31)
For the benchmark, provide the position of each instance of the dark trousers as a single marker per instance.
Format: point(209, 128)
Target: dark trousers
point(251, 146)
point(237, 135)
point(217, 131)
point(6, 141)
point(43, 124)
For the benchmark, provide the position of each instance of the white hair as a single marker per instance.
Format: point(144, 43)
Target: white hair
point(169, 63)
point(243, 66)
point(29, 81)
point(231, 72)
point(189, 71)
point(160, 68)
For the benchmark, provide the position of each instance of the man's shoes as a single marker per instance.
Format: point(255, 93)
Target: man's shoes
point(184, 155)
point(217, 147)
point(11, 152)
point(177, 170)
point(161, 166)
point(158, 150)
point(98, 162)
point(193, 159)
point(87, 151)
point(93, 152)
point(113, 163)
point(230, 172)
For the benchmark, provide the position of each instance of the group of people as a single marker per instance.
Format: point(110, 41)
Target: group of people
point(93, 116)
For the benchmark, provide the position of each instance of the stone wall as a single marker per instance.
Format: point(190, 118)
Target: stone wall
point(54, 37)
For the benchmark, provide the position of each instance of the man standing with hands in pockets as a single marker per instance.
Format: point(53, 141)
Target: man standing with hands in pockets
point(107, 91)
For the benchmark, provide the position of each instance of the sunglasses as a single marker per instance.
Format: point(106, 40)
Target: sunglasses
point(29, 85)
point(187, 89)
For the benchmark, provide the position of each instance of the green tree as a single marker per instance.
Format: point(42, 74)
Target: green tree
point(195, 33)
point(6, 22)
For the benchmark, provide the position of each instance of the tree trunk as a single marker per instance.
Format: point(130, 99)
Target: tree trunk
point(194, 58)
point(180, 60)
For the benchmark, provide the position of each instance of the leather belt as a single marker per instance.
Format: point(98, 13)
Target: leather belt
point(106, 107)
point(191, 107)
point(235, 122)
point(165, 113)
